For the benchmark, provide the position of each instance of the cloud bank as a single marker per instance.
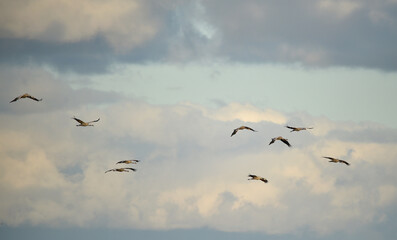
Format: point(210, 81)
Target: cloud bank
point(346, 33)
point(192, 173)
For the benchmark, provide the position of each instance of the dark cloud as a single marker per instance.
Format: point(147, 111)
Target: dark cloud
point(281, 31)
point(314, 33)
point(83, 57)
point(93, 56)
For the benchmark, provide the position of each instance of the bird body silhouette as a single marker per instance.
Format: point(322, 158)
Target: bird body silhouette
point(254, 177)
point(284, 140)
point(129, 161)
point(84, 124)
point(26, 96)
point(335, 160)
point(121, 170)
point(297, 129)
point(241, 128)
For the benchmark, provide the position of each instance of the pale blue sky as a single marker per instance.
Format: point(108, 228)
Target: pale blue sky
point(346, 94)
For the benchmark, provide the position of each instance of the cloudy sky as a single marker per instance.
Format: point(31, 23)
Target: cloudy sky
point(170, 80)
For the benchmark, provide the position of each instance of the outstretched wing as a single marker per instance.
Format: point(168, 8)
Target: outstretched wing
point(342, 161)
point(78, 120)
point(15, 99)
point(134, 161)
point(245, 127)
point(286, 142)
point(273, 140)
point(251, 175)
point(330, 158)
point(133, 169)
point(94, 120)
point(31, 97)
point(293, 128)
point(264, 180)
point(234, 132)
point(110, 170)
point(129, 161)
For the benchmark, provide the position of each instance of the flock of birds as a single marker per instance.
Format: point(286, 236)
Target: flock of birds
point(285, 141)
point(87, 124)
point(135, 161)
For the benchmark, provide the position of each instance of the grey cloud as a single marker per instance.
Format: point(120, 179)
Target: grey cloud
point(85, 57)
point(55, 92)
point(298, 31)
point(192, 174)
point(314, 33)
point(175, 39)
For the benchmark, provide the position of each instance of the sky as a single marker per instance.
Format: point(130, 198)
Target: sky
point(170, 81)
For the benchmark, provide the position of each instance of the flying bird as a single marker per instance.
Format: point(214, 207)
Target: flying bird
point(84, 124)
point(129, 161)
point(335, 160)
point(281, 139)
point(241, 128)
point(297, 129)
point(254, 177)
point(26, 96)
point(121, 170)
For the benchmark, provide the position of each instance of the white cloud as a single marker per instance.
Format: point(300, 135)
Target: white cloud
point(339, 9)
point(243, 112)
point(192, 174)
point(125, 24)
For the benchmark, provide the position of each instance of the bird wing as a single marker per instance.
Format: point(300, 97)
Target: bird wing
point(94, 120)
point(264, 180)
point(245, 127)
point(15, 99)
point(121, 162)
point(286, 142)
point(330, 158)
point(271, 142)
point(234, 132)
point(19, 97)
point(133, 169)
point(78, 120)
point(342, 161)
point(251, 175)
point(290, 127)
point(109, 170)
point(31, 97)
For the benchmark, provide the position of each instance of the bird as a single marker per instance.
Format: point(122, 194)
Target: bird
point(297, 129)
point(281, 139)
point(26, 96)
point(335, 160)
point(254, 177)
point(241, 128)
point(129, 161)
point(121, 170)
point(84, 124)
